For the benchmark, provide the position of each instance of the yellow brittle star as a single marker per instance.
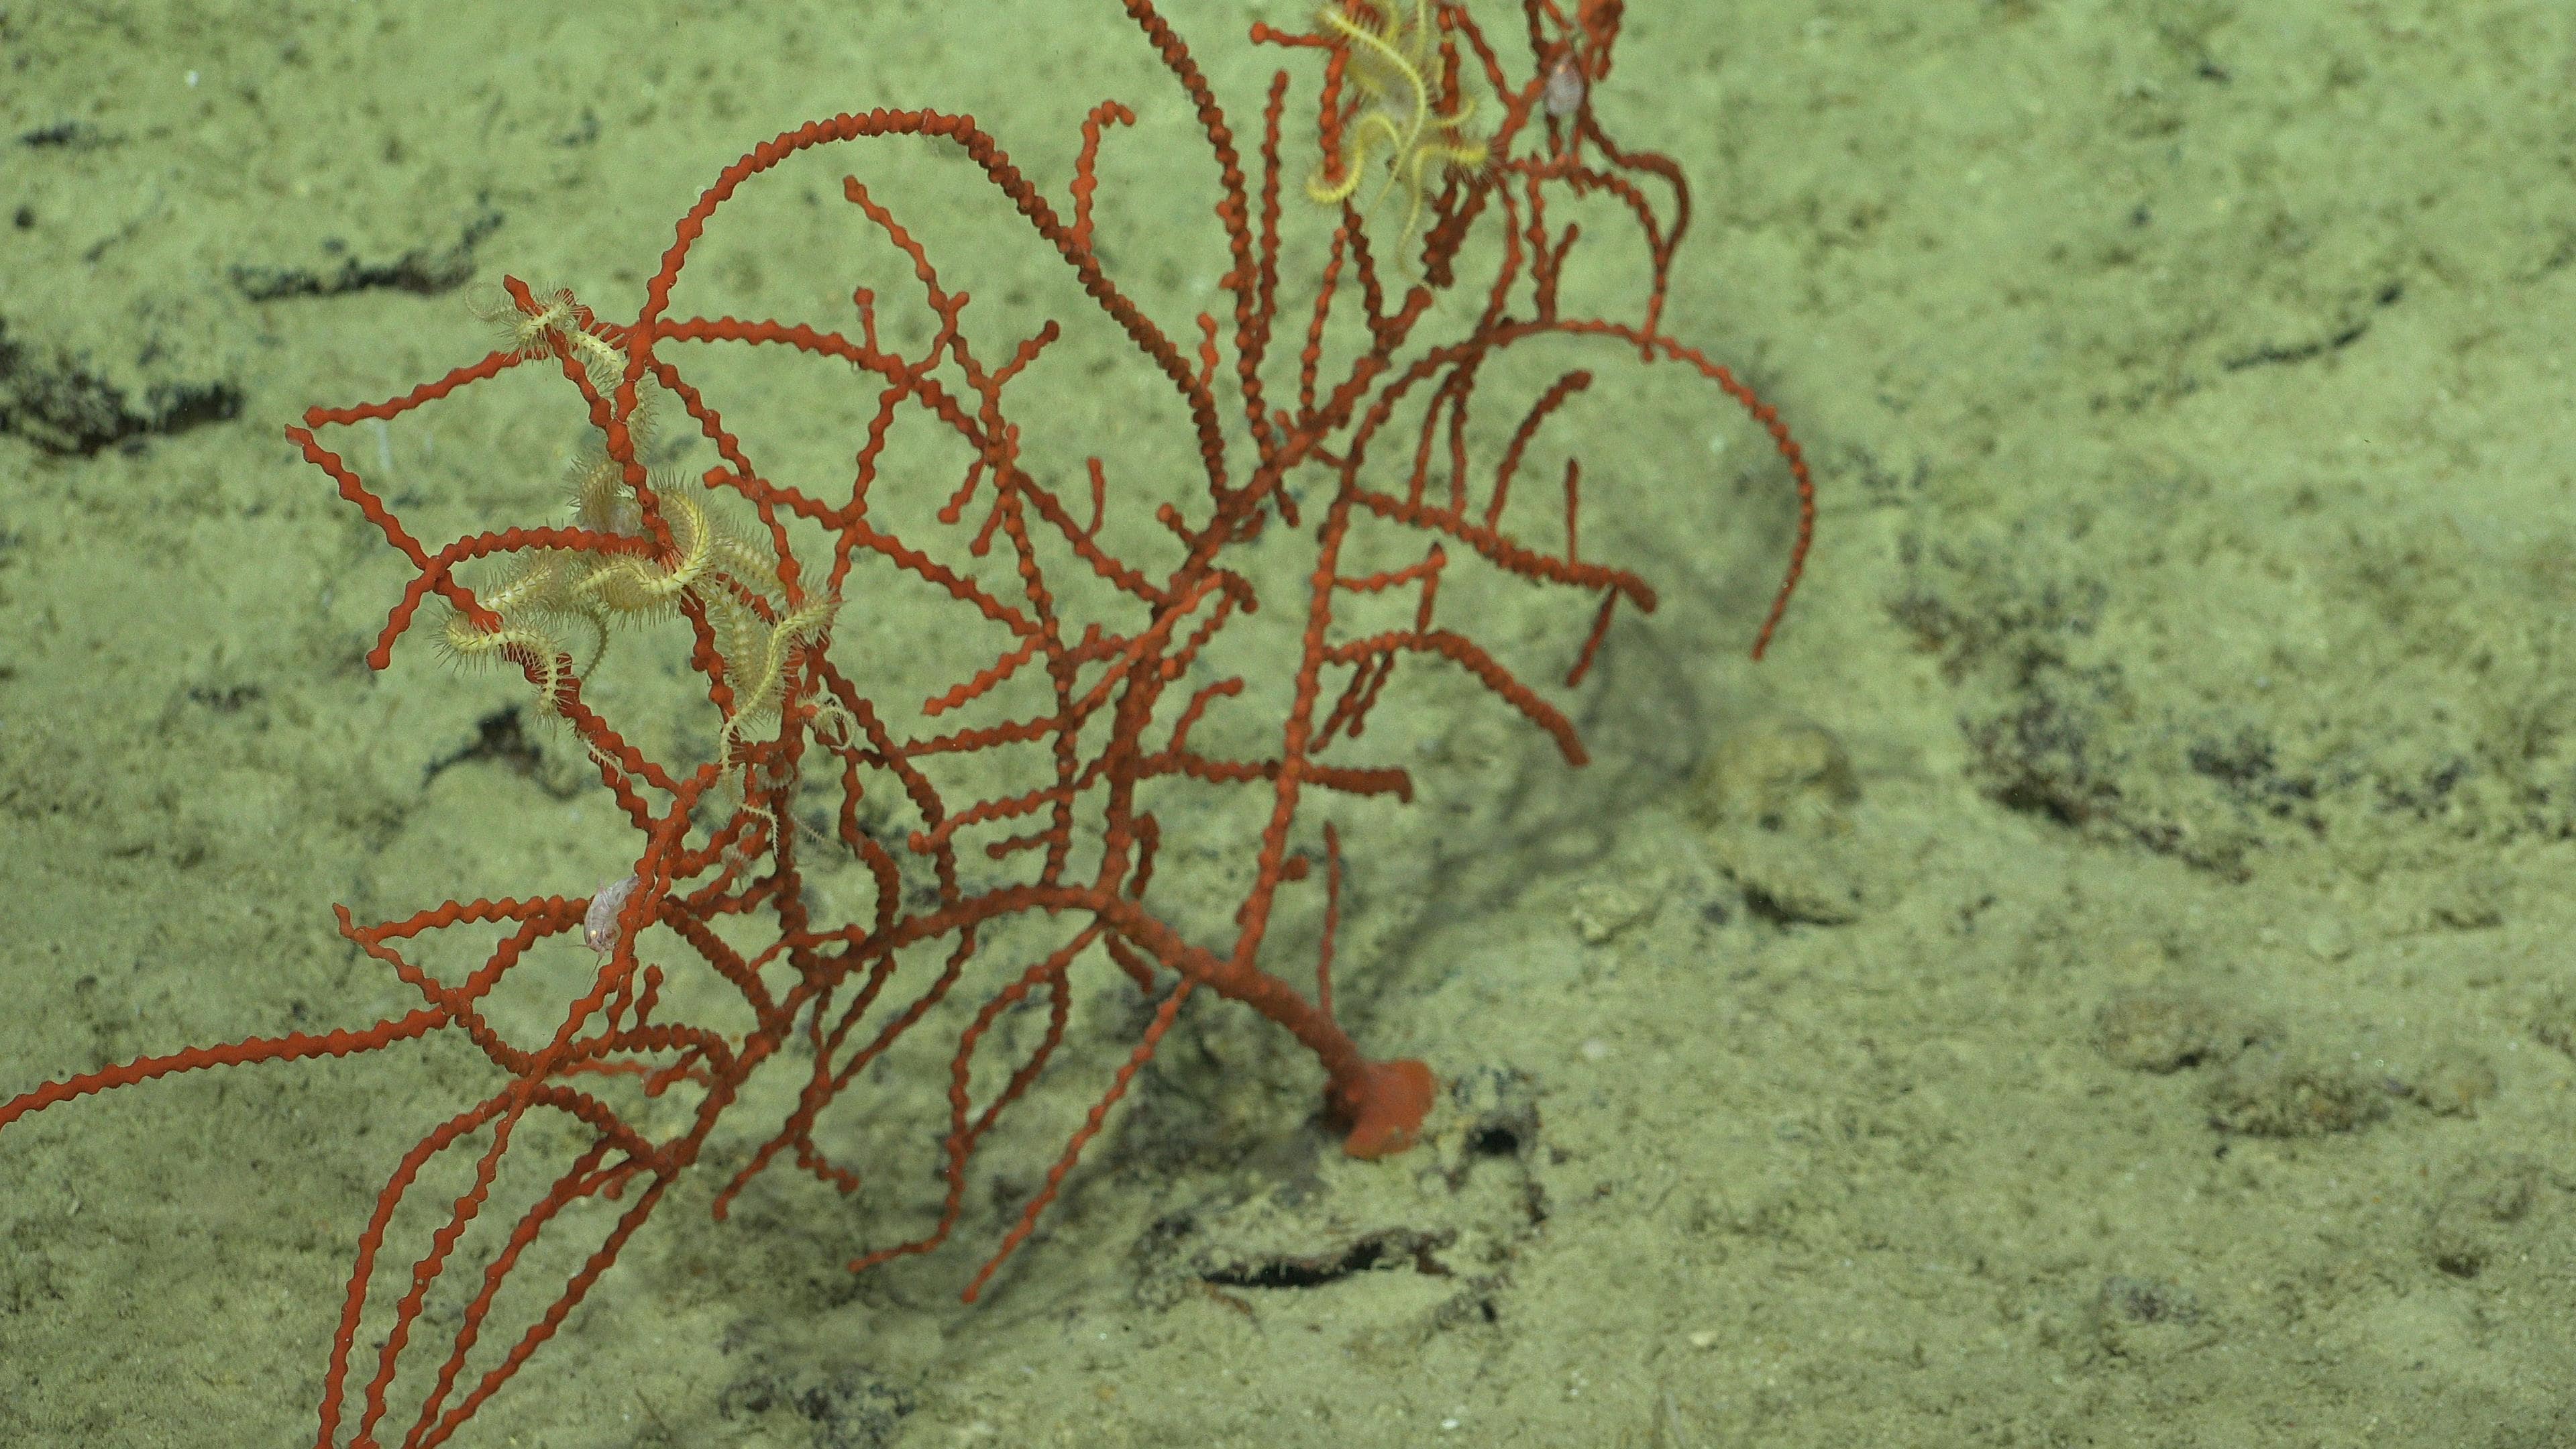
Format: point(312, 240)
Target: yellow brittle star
point(732, 579)
point(1392, 58)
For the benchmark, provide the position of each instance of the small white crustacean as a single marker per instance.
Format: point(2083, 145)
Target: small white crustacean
point(1563, 95)
point(599, 923)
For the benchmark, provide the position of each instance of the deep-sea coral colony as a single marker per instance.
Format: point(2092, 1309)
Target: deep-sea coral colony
point(1371, 429)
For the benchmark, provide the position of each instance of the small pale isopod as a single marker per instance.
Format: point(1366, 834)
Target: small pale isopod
point(1564, 94)
point(599, 923)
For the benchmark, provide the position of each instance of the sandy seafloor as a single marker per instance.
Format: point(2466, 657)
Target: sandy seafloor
point(2104, 980)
